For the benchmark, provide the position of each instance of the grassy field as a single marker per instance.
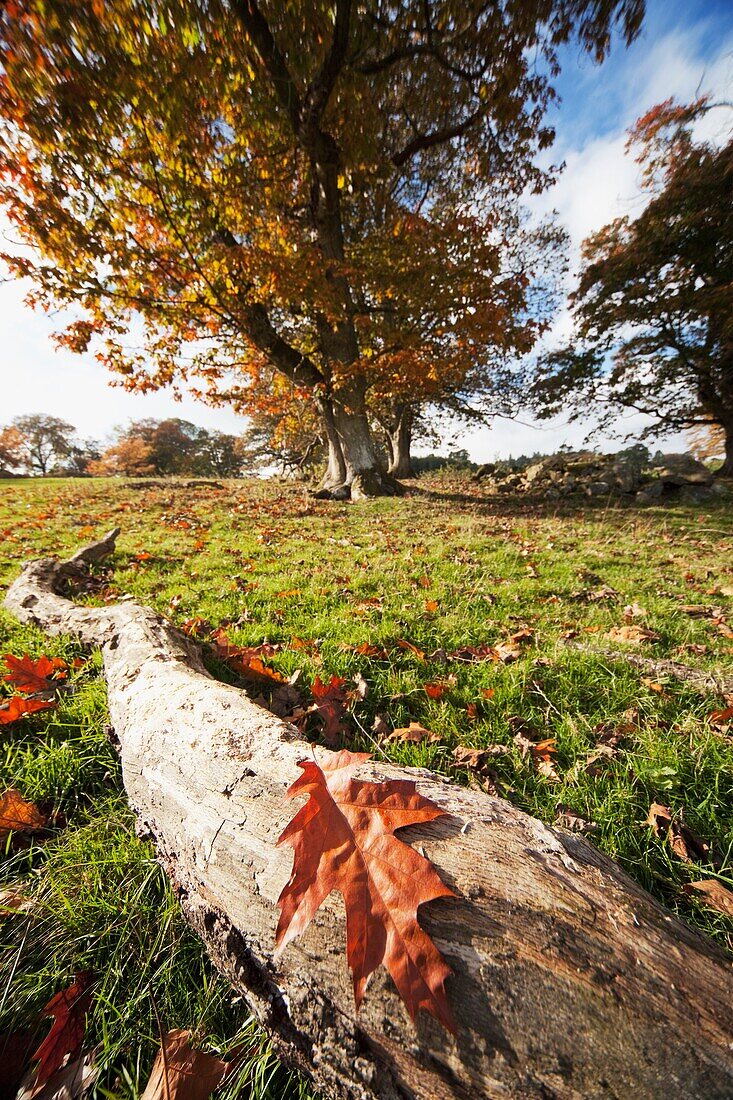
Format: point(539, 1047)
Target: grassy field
point(385, 589)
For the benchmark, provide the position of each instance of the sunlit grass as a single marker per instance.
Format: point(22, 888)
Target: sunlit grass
point(271, 564)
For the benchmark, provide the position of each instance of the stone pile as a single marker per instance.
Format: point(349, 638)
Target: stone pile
point(585, 473)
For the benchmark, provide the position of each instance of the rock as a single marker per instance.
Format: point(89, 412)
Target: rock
point(597, 488)
point(650, 492)
point(684, 466)
point(552, 494)
point(626, 475)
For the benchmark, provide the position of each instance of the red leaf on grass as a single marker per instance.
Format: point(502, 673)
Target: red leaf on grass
point(331, 706)
point(17, 707)
point(69, 1009)
point(33, 676)
point(343, 840)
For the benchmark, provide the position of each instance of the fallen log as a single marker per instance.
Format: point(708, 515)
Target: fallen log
point(569, 980)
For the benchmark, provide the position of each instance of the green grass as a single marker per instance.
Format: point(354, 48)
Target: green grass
point(273, 565)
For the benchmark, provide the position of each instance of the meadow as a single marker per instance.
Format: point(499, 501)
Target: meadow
point(505, 627)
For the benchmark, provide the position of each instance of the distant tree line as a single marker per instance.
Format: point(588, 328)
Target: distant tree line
point(46, 446)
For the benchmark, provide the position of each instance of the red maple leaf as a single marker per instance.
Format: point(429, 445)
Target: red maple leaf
point(343, 840)
point(18, 707)
point(69, 1009)
point(32, 676)
point(330, 706)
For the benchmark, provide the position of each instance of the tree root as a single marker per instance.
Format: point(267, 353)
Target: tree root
point(712, 681)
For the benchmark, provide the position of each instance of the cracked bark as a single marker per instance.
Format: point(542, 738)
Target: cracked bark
point(569, 980)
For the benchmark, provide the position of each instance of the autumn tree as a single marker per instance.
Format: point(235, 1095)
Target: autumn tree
point(654, 304)
point(40, 442)
point(130, 457)
point(250, 185)
point(11, 456)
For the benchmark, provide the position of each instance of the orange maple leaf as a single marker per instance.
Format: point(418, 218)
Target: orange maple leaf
point(18, 707)
point(32, 676)
point(17, 815)
point(69, 1009)
point(343, 840)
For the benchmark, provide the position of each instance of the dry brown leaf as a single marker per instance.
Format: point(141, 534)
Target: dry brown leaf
point(70, 1082)
point(653, 685)
point(632, 635)
point(415, 734)
point(181, 1073)
point(508, 652)
point(17, 815)
point(712, 893)
point(659, 817)
point(684, 843)
point(565, 818)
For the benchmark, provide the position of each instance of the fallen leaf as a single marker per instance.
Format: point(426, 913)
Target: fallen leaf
point(181, 1073)
point(659, 817)
point(684, 843)
point(343, 840)
point(438, 688)
point(18, 707)
point(69, 1009)
point(632, 635)
point(478, 759)
point(17, 815)
point(410, 648)
point(380, 728)
point(13, 900)
point(652, 685)
point(415, 733)
point(31, 676)
point(541, 754)
point(719, 719)
point(306, 646)
point(713, 893)
point(508, 652)
point(633, 611)
point(565, 818)
point(431, 606)
point(196, 627)
point(367, 649)
point(70, 1082)
point(473, 653)
point(331, 706)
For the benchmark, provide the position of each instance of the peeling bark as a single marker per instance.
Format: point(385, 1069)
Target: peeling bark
point(569, 980)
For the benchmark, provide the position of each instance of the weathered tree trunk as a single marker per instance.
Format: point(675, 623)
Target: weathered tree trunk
point(569, 980)
point(354, 467)
point(726, 470)
point(399, 435)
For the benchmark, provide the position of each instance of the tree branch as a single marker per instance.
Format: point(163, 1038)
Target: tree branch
point(258, 31)
point(437, 137)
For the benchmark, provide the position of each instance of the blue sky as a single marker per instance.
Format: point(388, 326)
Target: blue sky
point(684, 44)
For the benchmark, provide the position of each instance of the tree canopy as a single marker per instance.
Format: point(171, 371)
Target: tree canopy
point(220, 189)
point(654, 303)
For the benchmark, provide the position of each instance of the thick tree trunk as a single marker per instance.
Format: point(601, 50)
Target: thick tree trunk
point(569, 981)
point(726, 470)
point(399, 435)
point(354, 467)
